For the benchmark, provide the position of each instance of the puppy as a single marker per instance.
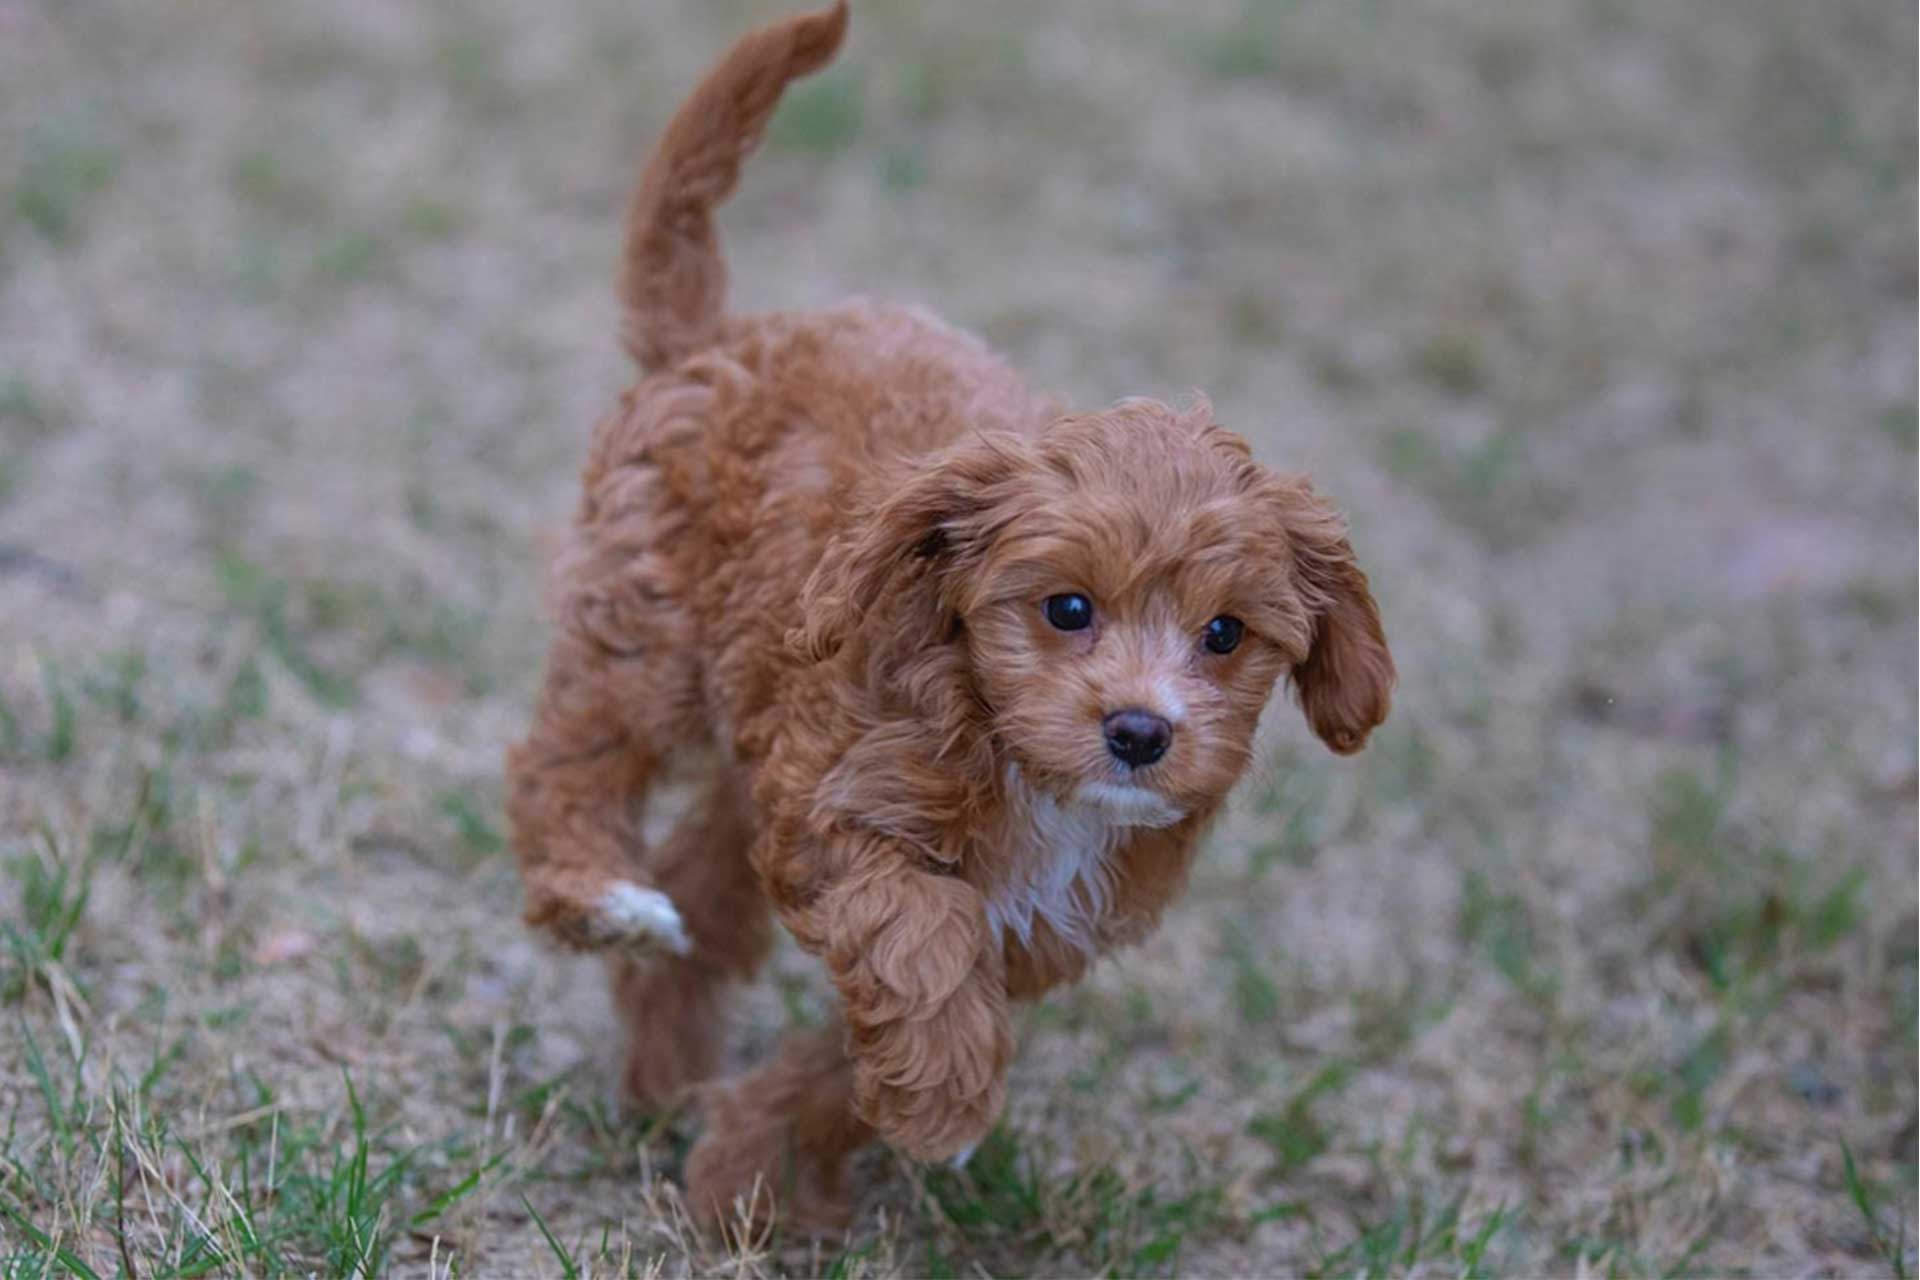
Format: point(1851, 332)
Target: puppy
point(976, 675)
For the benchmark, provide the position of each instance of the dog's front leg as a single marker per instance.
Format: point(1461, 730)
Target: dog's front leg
point(926, 1003)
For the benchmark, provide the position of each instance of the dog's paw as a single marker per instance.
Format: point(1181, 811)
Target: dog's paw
point(617, 914)
point(933, 1126)
point(753, 1167)
point(630, 915)
point(934, 1084)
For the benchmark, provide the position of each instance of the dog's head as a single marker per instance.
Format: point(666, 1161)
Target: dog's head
point(1121, 592)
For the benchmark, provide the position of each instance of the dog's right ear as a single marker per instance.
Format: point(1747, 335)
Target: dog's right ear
point(938, 513)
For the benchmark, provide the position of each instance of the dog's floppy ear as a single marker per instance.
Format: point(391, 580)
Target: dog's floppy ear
point(934, 514)
point(1346, 682)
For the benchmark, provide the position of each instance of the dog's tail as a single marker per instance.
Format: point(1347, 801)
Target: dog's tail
point(673, 283)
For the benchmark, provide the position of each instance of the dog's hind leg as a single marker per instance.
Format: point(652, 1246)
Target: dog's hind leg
point(778, 1138)
point(672, 1004)
point(621, 696)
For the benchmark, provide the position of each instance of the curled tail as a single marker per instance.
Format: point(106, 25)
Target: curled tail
point(673, 283)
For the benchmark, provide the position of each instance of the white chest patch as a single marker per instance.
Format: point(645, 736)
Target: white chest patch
point(1059, 868)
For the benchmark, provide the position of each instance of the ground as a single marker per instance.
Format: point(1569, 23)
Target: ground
point(1596, 315)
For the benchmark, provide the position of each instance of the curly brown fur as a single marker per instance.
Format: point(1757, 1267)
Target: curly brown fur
point(779, 1135)
point(821, 544)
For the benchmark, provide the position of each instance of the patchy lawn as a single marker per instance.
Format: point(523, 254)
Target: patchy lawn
point(1597, 315)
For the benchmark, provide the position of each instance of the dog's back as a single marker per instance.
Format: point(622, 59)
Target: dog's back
point(754, 434)
point(810, 404)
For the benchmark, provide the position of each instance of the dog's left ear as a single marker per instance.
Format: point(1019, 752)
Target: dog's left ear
point(936, 514)
point(1346, 682)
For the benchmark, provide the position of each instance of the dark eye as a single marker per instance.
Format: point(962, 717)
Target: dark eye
point(1071, 612)
point(1223, 634)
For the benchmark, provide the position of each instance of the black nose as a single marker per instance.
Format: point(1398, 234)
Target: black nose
point(1137, 737)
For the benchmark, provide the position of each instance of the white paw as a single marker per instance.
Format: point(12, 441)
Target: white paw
point(642, 917)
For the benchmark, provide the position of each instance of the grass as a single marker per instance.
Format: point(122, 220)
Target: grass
point(1600, 959)
point(820, 116)
point(1293, 1132)
point(1497, 925)
point(53, 894)
point(1410, 1234)
point(1006, 1200)
point(1890, 1243)
point(271, 600)
point(268, 1197)
point(1489, 488)
point(61, 176)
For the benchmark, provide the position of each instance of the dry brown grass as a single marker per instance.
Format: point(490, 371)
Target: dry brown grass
point(1597, 314)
